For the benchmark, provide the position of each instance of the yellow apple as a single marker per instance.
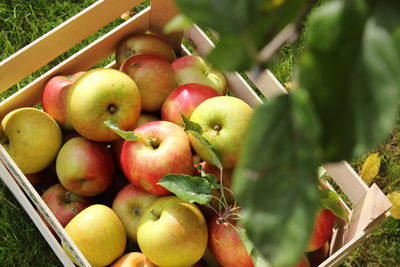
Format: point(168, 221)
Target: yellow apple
point(32, 138)
point(99, 234)
point(172, 233)
point(224, 121)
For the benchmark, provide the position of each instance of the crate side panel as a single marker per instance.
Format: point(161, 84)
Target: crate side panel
point(36, 219)
point(6, 160)
point(161, 13)
point(83, 60)
point(60, 39)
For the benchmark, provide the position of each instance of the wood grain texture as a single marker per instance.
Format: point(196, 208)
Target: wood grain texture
point(60, 39)
point(83, 60)
point(163, 11)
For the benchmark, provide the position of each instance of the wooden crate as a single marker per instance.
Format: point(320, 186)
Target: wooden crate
point(370, 204)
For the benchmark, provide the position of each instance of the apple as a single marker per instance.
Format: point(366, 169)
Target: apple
point(64, 204)
point(317, 257)
point(163, 149)
point(133, 259)
point(98, 233)
point(116, 146)
point(54, 99)
point(129, 204)
point(322, 231)
point(84, 167)
point(303, 262)
point(141, 44)
point(194, 69)
point(172, 233)
point(225, 244)
point(183, 100)
point(224, 121)
point(100, 95)
point(154, 76)
point(31, 137)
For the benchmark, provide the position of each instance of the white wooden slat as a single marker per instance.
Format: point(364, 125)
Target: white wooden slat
point(60, 39)
point(236, 83)
point(161, 13)
point(348, 180)
point(83, 60)
point(36, 219)
point(7, 162)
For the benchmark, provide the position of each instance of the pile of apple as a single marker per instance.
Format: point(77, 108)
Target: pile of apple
point(104, 189)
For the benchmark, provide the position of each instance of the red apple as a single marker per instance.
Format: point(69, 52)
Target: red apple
point(319, 256)
point(116, 146)
point(184, 99)
point(54, 99)
point(322, 230)
point(154, 77)
point(225, 244)
point(64, 204)
point(143, 44)
point(129, 204)
point(194, 69)
point(85, 167)
point(164, 149)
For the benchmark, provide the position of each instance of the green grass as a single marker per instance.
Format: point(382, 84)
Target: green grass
point(21, 244)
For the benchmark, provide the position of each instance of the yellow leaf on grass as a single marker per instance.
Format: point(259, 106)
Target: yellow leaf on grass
point(394, 197)
point(370, 169)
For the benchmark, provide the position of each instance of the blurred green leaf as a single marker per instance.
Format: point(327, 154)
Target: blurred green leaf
point(276, 179)
point(353, 78)
point(224, 16)
point(178, 23)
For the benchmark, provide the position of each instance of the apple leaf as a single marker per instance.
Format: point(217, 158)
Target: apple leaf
point(276, 179)
point(196, 131)
point(127, 135)
point(191, 126)
point(216, 161)
point(330, 200)
point(352, 76)
point(189, 188)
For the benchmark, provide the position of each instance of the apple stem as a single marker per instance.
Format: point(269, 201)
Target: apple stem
point(67, 197)
point(153, 142)
point(217, 127)
point(154, 214)
point(112, 108)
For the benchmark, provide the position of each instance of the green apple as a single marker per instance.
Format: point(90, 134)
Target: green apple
point(100, 95)
point(224, 121)
point(32, 138)
point(194, 69)
point(98, 233)
point(172, 233)
point(129, 204)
